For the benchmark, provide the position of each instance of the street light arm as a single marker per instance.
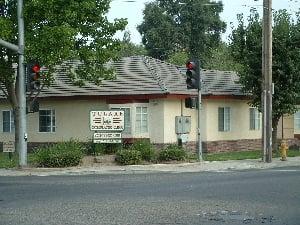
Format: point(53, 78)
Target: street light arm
point(9, 45)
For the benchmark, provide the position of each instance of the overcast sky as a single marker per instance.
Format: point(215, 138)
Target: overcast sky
point(133, 11)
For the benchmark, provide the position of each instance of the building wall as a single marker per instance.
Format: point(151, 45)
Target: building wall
point(72, 120)
point(296, 126)
point(5, 136)
point(285, 127)
point(173, 108)
point(239, 121)
point(156, 120)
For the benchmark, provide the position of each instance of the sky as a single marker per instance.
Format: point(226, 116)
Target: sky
point(133, 11)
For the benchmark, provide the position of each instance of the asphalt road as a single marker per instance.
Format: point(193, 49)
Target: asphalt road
point(236, 197)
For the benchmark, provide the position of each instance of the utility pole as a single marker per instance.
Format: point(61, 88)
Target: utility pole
point(267, 80)
point(22, 135)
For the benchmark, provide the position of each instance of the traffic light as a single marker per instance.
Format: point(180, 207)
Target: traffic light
point(192, 75)
point(191, 103)
point(33, 76)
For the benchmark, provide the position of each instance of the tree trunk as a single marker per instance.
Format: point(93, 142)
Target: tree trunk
point(274, 134)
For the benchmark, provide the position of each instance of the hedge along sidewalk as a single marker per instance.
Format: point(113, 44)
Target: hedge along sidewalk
point(215, 166)
point(6, 163)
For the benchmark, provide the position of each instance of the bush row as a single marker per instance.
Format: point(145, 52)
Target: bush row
point(143, 151)
point(70, 153)
point(63, 154)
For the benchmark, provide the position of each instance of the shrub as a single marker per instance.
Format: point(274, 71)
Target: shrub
point(99, 149)
point(128, 157)
point(112, 148)
point(146, 149)
point(91, 148)
point(172, 152)
point(62, 154)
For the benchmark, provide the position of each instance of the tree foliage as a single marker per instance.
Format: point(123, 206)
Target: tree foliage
point(221, 59)
point(246, 48)
point(130, 49)
point(57, 31)
point(172, 26)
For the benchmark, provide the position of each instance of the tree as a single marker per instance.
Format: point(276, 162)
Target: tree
point(56, 31)
point(171, 26)
point(130, 49)
point(221, 59)
point(246, 48)
point(178, 58)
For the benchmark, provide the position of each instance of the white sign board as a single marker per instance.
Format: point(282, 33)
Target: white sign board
point(9, 146)
point(107, 120)
point(106, 141)
point(107, 135)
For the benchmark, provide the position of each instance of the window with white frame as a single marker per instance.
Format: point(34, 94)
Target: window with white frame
point(8, 124)
point(297, 120)
point(254, 119)
point(127, 119)
point(224, 118)
point(141, 120)
point(47, 120)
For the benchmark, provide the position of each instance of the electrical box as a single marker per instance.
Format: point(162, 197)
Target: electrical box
point(182, 124)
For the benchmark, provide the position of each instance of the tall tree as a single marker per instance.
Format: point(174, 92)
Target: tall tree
point(56, 31)
point(172, 26)
point(246, 48)
point(130, 49)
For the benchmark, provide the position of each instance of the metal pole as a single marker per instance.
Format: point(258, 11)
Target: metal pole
point(21, 88)
point(200, 157)
point(267, 71)
point(9, 45)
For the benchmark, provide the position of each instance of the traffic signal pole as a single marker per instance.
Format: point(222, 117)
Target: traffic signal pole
point(200, 158)
point(22, 135)
point(193, 81)
point(21, 145)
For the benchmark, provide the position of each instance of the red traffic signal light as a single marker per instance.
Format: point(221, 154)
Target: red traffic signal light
point(192, 75)
point(190, 65)
point(36, 68)
point(33, 76)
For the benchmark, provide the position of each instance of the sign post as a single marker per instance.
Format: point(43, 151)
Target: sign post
point(9, 147)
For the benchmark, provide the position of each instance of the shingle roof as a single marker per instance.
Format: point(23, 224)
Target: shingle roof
point(142, 75)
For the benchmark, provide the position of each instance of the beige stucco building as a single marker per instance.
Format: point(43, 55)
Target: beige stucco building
point(152, 94)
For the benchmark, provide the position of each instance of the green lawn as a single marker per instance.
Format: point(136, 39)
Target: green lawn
point(223, 156)
point(5, 162)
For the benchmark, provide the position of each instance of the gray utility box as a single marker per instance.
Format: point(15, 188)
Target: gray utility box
point(182, 124)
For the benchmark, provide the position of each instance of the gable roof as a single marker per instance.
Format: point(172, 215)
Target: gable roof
point(142, 75)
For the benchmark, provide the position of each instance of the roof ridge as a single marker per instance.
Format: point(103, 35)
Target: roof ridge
point(154, 73)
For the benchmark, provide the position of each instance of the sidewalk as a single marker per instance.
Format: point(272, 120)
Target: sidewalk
point(216, 166)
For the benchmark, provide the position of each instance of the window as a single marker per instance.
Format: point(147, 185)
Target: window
point(254, 119)
point(127, 119)
point(47, 121)
point(8, 124)
point(224, 118)
point(297, 120)
point(141, 120)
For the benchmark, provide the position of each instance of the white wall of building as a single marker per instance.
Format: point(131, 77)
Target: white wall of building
point(72, 120)
point(239, 121)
